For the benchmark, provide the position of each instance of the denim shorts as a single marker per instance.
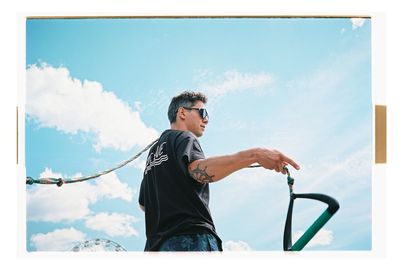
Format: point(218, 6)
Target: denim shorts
point(190, 242)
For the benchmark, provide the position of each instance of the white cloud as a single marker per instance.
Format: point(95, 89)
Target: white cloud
point(324, 237)
point(58, 240)
point(56, 100)
point(232, 81)
point(71, 202)
point(139, 164)
point(236, 246)
point(111, 187)
point(114, 224)
point(357, 22)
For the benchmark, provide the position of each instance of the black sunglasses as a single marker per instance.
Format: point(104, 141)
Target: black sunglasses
point(202, 111)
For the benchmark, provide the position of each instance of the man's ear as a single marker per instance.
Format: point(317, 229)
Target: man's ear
point(181, 113)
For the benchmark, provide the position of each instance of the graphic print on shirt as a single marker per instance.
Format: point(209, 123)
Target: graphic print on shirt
point(156, 158)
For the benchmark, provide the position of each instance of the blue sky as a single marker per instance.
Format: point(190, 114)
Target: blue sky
point(97, 91)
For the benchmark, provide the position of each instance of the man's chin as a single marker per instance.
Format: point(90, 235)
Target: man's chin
point(199, 134)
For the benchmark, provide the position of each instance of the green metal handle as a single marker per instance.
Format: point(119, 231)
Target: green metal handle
point(311, 231)
point(333, 206)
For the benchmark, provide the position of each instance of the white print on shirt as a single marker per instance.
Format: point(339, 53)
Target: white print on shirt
point(155, 159)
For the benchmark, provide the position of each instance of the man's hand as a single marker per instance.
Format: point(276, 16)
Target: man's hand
point(274, 160)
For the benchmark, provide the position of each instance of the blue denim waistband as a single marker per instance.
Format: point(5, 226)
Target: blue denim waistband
point(190, 242)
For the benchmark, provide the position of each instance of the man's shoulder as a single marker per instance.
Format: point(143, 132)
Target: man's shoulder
point(179, 134)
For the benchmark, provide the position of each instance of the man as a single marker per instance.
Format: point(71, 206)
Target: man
point(174, 192)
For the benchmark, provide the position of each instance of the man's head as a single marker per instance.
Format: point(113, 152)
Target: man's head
point(187, 112)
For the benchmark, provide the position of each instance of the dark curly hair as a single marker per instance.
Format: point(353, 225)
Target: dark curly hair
point(185, 99)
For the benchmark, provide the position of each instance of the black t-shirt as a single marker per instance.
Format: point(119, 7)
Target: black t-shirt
point(175, 203)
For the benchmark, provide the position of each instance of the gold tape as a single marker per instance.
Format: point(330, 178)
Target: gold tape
point(380, 134)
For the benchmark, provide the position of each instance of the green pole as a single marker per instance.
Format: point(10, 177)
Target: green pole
point(311, 231)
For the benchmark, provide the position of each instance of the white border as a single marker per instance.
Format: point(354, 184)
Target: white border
point(381, 247)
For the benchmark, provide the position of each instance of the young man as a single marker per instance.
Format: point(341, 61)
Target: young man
point(174, 192)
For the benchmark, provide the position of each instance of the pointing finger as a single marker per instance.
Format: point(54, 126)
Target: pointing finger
point(290, 162)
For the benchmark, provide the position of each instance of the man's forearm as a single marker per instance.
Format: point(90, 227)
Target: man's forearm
point(216, 168)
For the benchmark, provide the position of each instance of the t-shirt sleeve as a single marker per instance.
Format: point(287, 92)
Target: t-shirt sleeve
point(188, 150)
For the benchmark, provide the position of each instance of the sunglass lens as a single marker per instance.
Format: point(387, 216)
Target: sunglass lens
point(203, 113)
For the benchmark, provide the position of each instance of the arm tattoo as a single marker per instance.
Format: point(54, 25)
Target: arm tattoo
point(201, 175)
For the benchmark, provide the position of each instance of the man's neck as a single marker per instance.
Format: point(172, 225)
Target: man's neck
point(177, 126)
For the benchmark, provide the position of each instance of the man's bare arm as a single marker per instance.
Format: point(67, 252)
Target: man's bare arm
point(216, 168)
